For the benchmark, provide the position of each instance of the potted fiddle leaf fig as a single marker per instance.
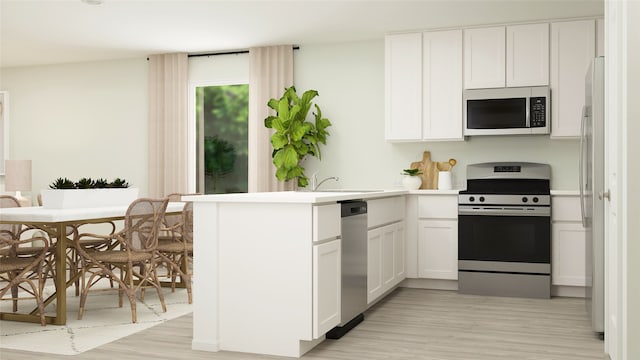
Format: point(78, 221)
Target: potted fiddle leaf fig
point(295, 137)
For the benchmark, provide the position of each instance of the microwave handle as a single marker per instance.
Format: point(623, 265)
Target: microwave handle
point(527, 115)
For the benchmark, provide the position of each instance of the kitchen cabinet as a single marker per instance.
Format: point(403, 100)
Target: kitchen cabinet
point(484, 57)
point(511, 56)
point(442, 85)
point(403, 87)
point(327, 264)
point(385, 246)
point(568, 254)
point(423, 104)
point(573, 46)
point(438, 237)
point(599, 37)
point(326, 287)
point(385, 259)
point(568, 242)
point(527, 55)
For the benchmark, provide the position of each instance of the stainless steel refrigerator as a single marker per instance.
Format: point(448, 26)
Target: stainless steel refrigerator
point(592, 190)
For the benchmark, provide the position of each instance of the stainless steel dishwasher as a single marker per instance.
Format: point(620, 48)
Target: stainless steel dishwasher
point(354, 267)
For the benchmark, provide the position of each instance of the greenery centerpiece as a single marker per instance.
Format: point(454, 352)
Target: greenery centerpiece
point(64, 193)
point(294, 136)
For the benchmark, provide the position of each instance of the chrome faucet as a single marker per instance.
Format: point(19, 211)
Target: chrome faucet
point(314, 181)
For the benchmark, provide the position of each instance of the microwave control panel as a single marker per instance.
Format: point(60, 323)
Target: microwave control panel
point(537, 112)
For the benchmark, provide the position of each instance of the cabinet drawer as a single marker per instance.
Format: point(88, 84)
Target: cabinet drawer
point(385, 211)
point(438, 206)
point(326, 222)
point(565, 208)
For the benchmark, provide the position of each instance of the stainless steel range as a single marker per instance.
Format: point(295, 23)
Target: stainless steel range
point(504, 230)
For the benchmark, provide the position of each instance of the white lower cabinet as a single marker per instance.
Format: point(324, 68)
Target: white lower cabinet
point(568, 254)
point(568, 242)
point(385, 259)
point(438, 249)
point(326, 286)
point(437, 237)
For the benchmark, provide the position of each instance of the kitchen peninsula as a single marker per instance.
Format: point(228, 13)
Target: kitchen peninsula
point(267, 270)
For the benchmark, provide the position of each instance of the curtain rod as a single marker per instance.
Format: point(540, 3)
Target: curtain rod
point(295, 47)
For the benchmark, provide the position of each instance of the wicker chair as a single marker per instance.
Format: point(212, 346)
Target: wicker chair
point(133, 263)
point(24, 263)
point(176, 250)
point(73, 258)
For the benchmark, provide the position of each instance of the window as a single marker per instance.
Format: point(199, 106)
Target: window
point(221, 121)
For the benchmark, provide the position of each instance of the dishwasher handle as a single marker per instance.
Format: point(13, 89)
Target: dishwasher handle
point(353, 208)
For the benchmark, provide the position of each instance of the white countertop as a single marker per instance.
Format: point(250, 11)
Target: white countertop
point(325, 196)
point(41, 214)
point(300, 197)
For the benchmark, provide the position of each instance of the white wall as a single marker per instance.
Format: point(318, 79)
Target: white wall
point(80, 120)
point(350, 80)
point(90, 119)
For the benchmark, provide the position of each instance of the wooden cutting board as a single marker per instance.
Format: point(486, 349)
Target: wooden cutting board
point(430, 169)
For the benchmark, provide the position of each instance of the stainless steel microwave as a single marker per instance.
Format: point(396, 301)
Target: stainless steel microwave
point(507, 111)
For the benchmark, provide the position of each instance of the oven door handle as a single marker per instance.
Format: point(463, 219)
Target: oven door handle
point(504, 211)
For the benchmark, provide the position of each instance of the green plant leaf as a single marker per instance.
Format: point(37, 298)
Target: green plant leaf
point(278, 124)
point(279, 140)
point(308, 96)
point(268, 122)
point(273, 104)
point(283, 109)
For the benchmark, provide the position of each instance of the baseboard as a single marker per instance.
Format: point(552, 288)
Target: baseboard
point(568, 291)
point(439, 284)
point(205, 346)
point(434, 284)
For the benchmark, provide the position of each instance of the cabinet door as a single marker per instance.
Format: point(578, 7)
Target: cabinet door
point(528, 55)
point(442, 85)
point(399, 253)
point(388, 256)
point(484, 57)
point(374, 264)
point(327, 277)
point(403, 87)
point(568, 254)
point(572, 49)
point(438, 249)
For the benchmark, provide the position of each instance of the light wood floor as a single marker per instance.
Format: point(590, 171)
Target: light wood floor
point(408, 324)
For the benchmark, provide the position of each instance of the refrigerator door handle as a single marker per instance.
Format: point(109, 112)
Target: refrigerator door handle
point(581, 166)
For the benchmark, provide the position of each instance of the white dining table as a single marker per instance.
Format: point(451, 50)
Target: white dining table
point(55, 222)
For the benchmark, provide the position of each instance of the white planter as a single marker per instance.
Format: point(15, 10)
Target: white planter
point(412, 182)
point(86, 198)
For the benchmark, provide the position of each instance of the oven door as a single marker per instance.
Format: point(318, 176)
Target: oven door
point(505, 238)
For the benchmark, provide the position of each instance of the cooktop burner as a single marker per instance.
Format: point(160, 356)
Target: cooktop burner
point(508, 178)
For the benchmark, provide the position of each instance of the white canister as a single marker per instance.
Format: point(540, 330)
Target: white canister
point(444, 180)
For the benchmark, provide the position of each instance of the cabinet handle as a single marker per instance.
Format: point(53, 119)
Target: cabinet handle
point(604, 195)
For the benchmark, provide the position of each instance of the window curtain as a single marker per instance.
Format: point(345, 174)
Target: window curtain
point(168, 125)
point(270, 72)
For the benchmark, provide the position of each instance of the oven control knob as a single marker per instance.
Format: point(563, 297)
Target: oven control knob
point(472, 199)
point(524, 199)
point(535, 199)
point(481, 199)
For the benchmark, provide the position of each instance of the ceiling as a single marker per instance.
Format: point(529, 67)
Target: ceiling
point(36, 32)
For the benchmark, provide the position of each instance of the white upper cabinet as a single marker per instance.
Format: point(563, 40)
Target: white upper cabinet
point(442, 85)
point(423, 86)
point(528, 55)
point(572, 49)
point(403, 87)
point(484, 58)
point(599, 37)
point(511, 56)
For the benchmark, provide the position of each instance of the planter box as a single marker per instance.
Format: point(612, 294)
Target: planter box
point(86, 198)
